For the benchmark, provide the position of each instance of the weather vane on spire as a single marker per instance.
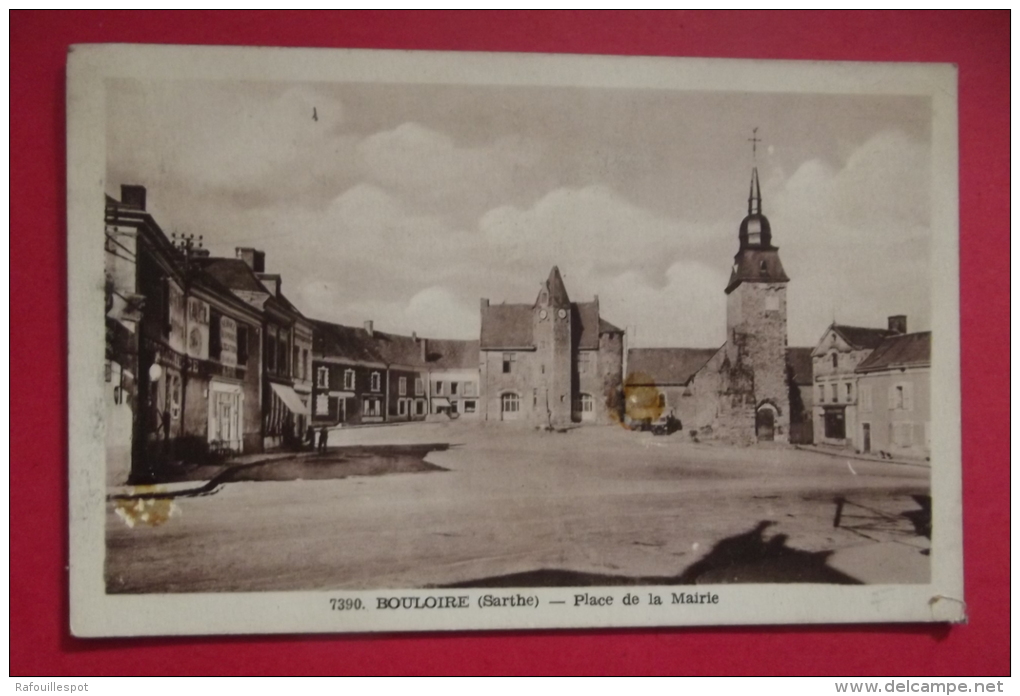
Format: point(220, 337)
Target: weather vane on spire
point(754, 140)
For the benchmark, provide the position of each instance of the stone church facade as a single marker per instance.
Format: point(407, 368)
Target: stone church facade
point(745, 390)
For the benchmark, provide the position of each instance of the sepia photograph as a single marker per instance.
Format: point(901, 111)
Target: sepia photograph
point(399, 341)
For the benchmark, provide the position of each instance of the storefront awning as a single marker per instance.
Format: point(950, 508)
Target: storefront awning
point(290, 398)
point(440, 401)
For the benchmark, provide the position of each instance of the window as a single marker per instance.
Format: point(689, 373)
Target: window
point(402, 388)
point(469, 389)
point(588, 403)
point(833, 394)
point(242, 344)
point(349, 380)
point(439, 388)
point(453, 388)
point(835, 424)
point(298, 367)
point(848, 392)
point(897, 401)
point(419, 386)
point(371, 406)
point(470, 405)
point(865, 397)
point(902, 433)
point(510, 403)
point(376, 383)
point(322, 378)
point(508, 362)
point(901, 397)
point(419, 407)
point(402, 406)
point(763, 268)
point(215, 342)
point(821, 393)
point(271, 349)
point(585, 361)
point(835, 361)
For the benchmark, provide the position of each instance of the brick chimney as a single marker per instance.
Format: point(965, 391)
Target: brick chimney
point(133, 196)
point(370, 327)
point(255, 259)
point(898, 323)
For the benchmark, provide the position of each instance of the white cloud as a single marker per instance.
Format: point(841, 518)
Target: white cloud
point(435, 312)
point(689, 311)
point(431, 167)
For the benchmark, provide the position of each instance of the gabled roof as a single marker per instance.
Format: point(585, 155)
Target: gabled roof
point(587, 320)
point(507, 326)
point(338, 341)
point(557, 290)
point(899, 350)
point(233, 273)
point(860, 337)
point(451, 354)
point(666, 366)
point(799, 360)
point(510, 326)
point(397, 350)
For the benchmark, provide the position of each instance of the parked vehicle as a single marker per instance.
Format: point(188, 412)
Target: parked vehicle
point(666, 424)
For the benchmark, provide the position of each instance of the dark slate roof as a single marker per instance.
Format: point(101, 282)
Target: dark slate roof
point(900, 350)
point(799, 359)
point(233, 273)
point(606, 328)
point(338, 341)
point(861, 337)
point(586, 315)
point(507, 326)
point(398, 350)
point(747, 268)
point(664, 366)
point(450, 354)
point(557, 290)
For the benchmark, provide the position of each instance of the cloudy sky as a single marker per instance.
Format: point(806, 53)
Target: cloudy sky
point(405, 204)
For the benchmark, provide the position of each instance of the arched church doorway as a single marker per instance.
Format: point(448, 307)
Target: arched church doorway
point(765, 423)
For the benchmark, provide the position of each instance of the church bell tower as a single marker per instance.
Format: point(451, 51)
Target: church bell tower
point(552, 316)
point(759, 408)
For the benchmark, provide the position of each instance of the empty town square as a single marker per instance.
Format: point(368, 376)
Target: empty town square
point(476, 505)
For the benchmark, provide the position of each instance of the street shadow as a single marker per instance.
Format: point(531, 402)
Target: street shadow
point(333, 463)
point(749, 557)
point(871, 523)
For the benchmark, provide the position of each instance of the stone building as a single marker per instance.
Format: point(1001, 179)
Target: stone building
point(894, 406)
point(286, 344)
point(552, 362)
point(453, 380)
point(835, 359)
point(193, 363)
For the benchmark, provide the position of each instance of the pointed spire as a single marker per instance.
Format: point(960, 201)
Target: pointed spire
point(754, 198)
point(557, 290)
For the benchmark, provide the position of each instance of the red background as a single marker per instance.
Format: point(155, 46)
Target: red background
point(978, 42)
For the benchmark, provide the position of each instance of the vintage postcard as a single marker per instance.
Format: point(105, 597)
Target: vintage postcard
point(394, 341)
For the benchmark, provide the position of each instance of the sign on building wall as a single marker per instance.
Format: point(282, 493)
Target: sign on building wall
point(228, 341)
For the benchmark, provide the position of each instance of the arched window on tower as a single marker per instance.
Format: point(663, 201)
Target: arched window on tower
point(763, 268)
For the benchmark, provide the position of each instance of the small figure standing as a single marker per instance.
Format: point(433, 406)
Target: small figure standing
point(310, 437)
point(323, 439)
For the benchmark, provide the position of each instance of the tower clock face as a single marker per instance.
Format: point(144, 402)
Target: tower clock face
point(543, 314)
point(562, 313)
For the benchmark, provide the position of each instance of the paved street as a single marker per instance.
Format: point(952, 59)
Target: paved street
point(597, 505)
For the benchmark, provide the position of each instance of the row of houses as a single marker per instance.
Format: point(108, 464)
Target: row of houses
point(207, 357)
